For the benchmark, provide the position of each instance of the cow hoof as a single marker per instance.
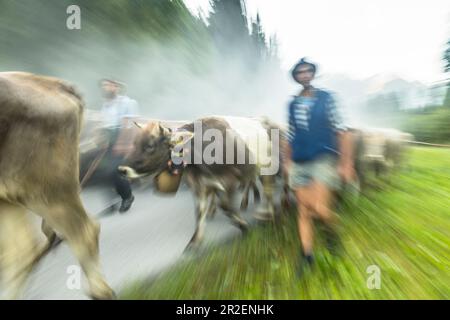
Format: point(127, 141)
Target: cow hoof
point(192, 246)
point(243, 227)
point(106, 294)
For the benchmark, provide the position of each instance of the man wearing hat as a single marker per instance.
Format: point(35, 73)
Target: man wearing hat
point(318, 158)
point(117, 109)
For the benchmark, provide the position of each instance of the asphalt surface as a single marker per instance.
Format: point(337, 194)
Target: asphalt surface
point(140, 243)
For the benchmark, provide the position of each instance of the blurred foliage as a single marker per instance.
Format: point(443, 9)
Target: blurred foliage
point(429, 125)
point(384, 104)
point(236, 34)
point(31, 29)
point(401, 225)
point(446, 57)
point(117, 39)
point(157, 47)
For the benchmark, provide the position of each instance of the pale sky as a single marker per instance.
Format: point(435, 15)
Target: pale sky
point(359, 38)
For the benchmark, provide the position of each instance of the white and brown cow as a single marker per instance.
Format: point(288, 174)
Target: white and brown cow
point(220, 153)
point(40, 119)
point(378, 150)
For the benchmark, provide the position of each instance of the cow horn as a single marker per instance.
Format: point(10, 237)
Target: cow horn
point(180, 138)
point(137, 125)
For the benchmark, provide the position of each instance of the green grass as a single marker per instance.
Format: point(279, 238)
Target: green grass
point(402, 225)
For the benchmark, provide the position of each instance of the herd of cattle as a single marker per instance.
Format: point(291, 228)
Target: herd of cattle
point(40, 123)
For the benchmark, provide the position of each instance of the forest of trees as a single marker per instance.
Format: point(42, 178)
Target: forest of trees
point(432, 124)
point(168, 57)
point(446, 59)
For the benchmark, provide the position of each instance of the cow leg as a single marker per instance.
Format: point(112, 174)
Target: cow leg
point(378, 168)
point(201, 211)
point(69, 219)
point(212, 206)
point(52, 238)
point(251, 185)
point(226, 204)
point(285, 202)
point(52, 242)
point(268, 211)
point(244, 201)
point(17, 248)
point(256, 194)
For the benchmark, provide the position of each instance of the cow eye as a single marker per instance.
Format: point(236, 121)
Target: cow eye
point(150, 147)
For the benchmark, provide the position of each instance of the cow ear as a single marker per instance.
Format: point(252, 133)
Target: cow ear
point(164, 131)
point(137, 125)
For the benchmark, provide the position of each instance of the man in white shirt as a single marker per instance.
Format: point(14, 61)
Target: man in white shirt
point(117, 109)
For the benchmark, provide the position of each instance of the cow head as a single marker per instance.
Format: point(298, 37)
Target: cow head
point(153, 149)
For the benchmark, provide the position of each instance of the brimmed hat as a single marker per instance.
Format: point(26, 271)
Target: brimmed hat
point(121, 84)
point(303, 62)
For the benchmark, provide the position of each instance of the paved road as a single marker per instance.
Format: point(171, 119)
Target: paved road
point(140, 243)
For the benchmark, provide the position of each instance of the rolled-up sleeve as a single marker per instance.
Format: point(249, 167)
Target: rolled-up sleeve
point(336, 115)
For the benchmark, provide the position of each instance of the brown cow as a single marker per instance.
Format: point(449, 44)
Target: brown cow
point(243, 139)
point(40, 119)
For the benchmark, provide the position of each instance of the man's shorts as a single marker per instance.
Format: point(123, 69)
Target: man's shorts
point(322, 169)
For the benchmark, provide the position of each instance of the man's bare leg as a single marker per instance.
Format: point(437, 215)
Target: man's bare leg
point(322, 203)
point(305, 229)
point(324, 199)
point(305, 225)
